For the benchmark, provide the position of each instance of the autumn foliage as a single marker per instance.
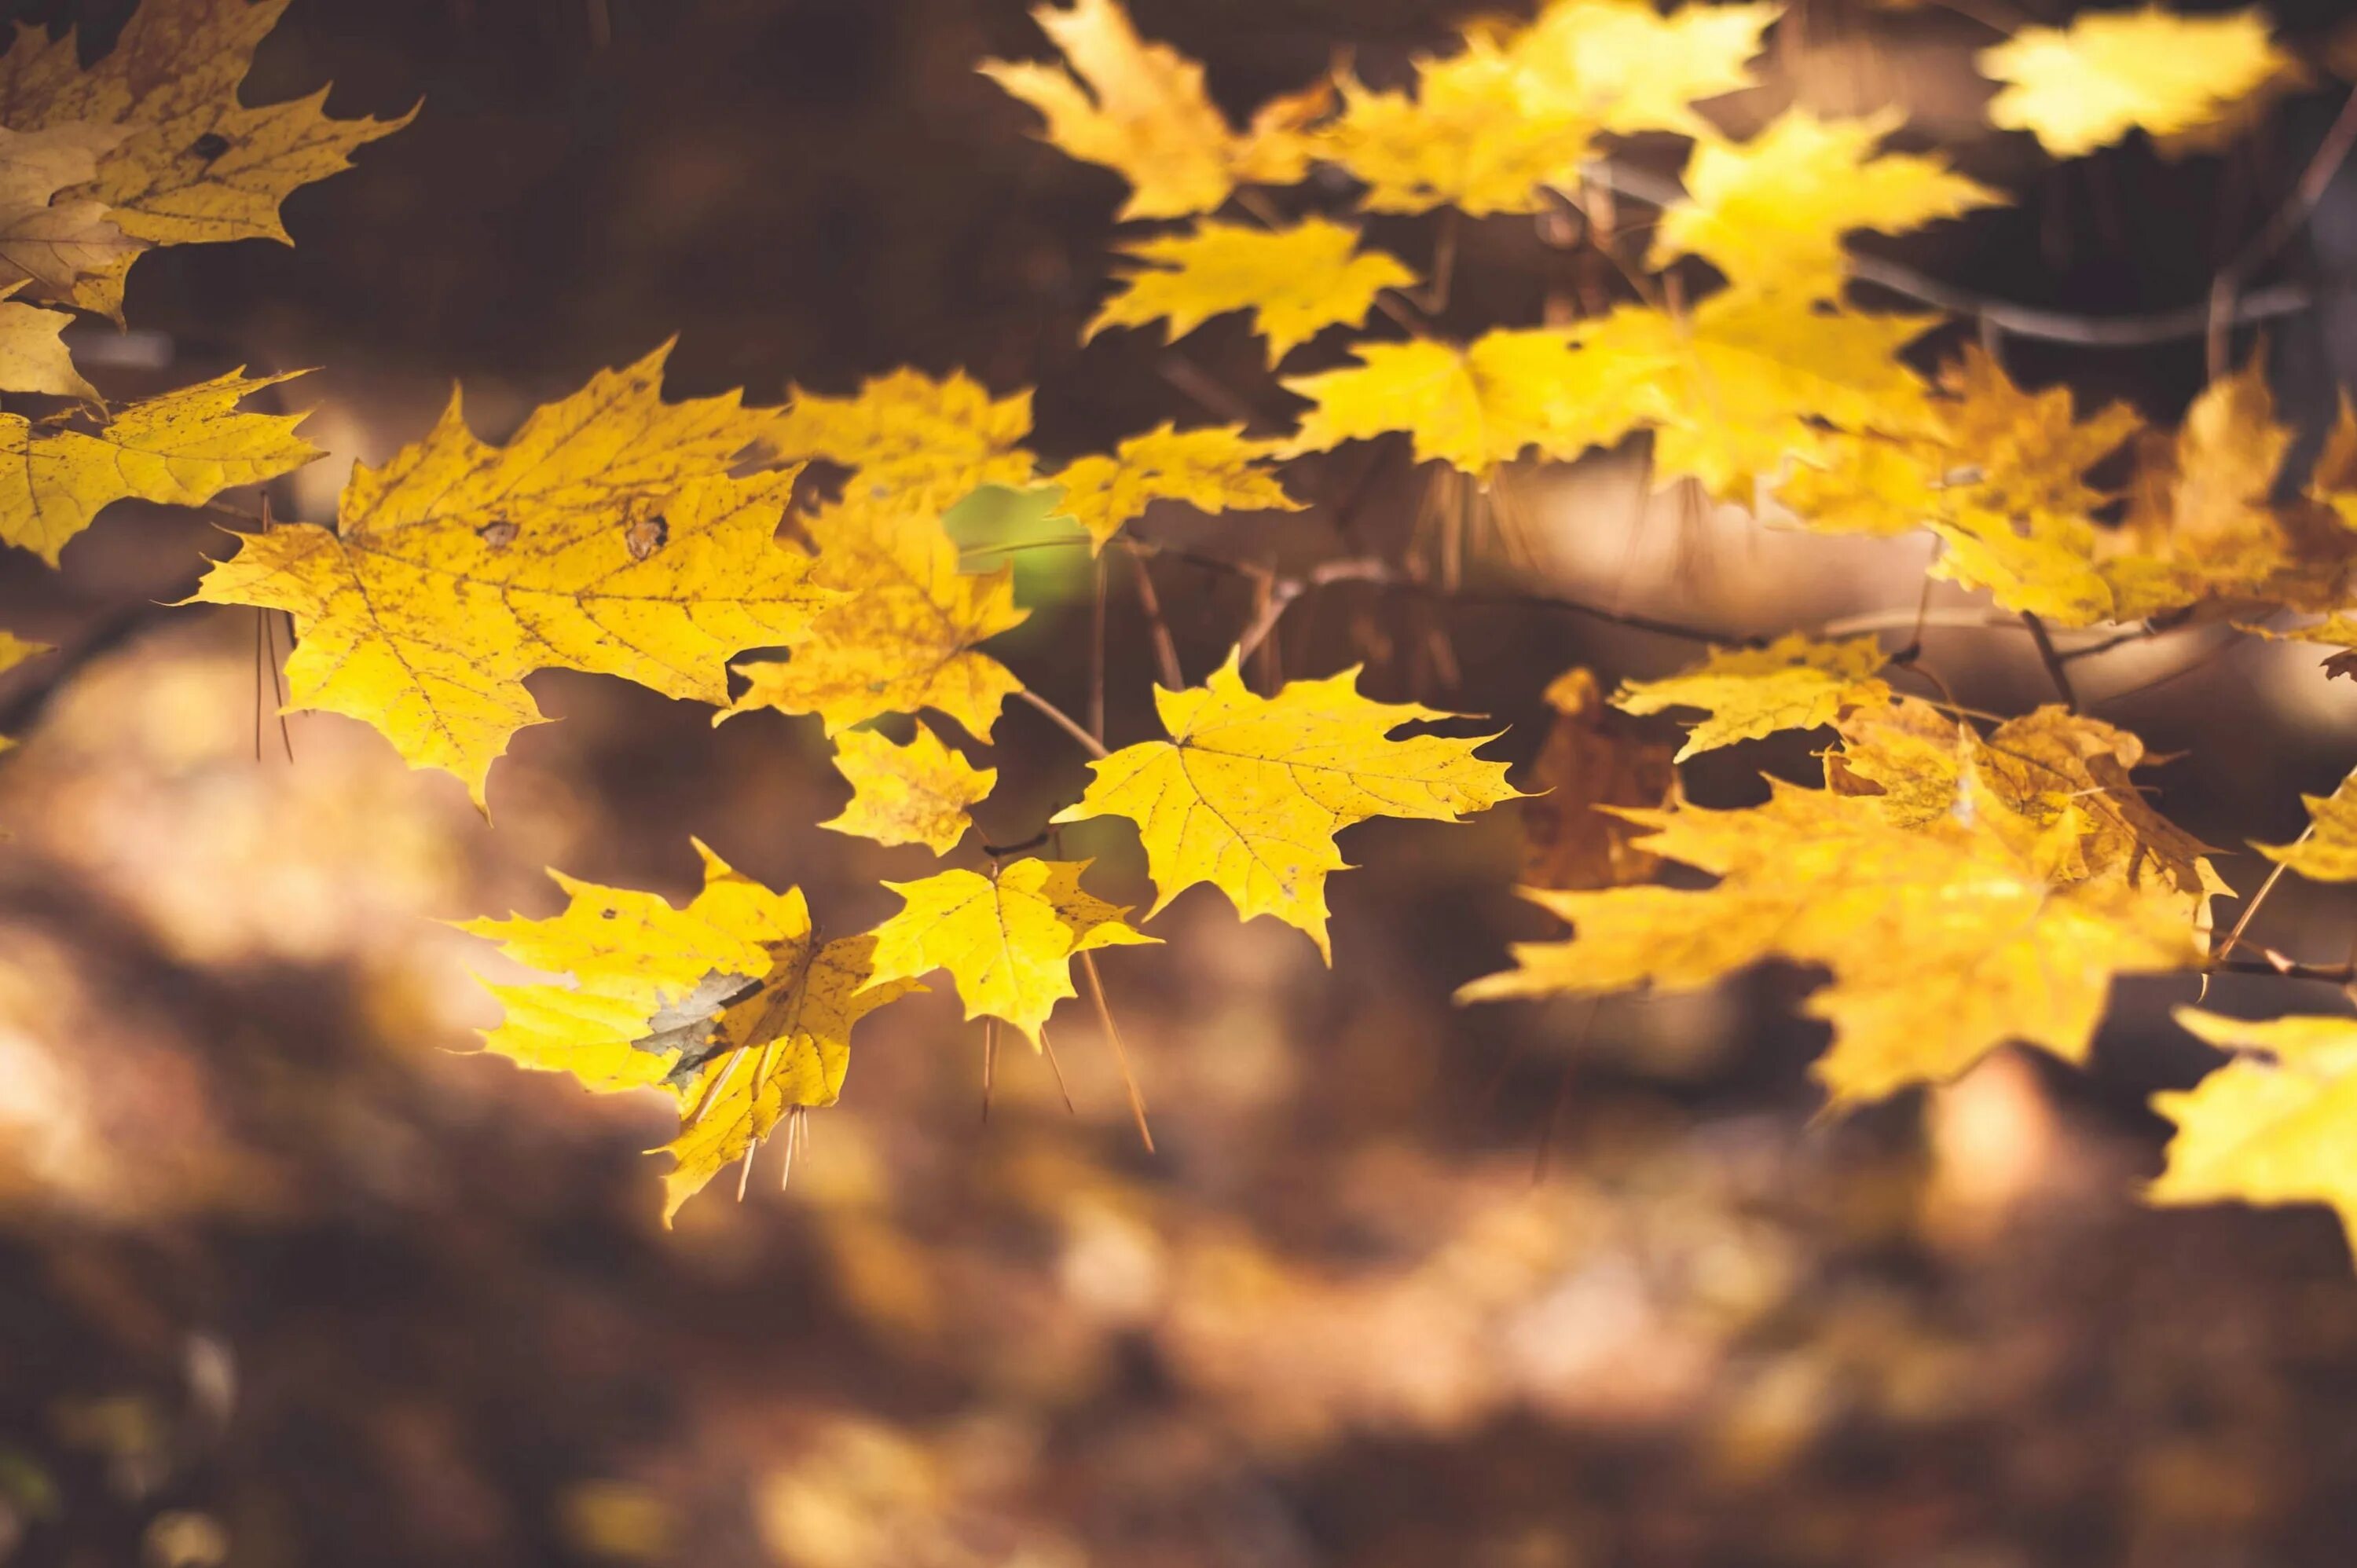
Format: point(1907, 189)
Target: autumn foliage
point(1962, 880)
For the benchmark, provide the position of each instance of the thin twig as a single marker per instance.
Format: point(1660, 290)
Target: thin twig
point(1998, 315)
point(1065, 721)
point(2225, 289)
point(1166, 651)
point(2056, 671)
point(1120, 1056)
point(1047, 1048)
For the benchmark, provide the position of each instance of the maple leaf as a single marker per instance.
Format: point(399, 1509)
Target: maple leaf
point(1747, 384)
point(1473, 137)
point(682, 999)
point(644, 978)
point(1588, 762)
point(45, 242)
point(1944, 939)
point(1140, 110)
point(33, 357)
point(906, 634)
point(2044, 765)
point(180, 448)
point(1481, 405)
point(1249, 791)
point(2086, 86)
point(1514, 114)
point(1631, 68)
point(1006, 940)
point(607, 536)
point(1296, 281)
point(1987, 446)
point(782, 1048)
point(916, 793)
point(1794, 683)
point(2272, 1125)
point(2201, 523)
point(197, 164)
point(1213, 469)
point(909, 437)
point(1769, 213)
point(2327, 852)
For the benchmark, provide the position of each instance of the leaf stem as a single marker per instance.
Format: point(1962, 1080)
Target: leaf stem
point(1065, 721)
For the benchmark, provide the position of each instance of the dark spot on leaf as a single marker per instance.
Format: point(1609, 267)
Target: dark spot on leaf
point(498, 534)
point(646, 535)
point(209, 146)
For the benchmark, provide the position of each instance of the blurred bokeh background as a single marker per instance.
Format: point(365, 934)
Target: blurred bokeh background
point(286, 1278)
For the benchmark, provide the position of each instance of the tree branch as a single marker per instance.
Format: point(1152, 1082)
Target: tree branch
point(2003, 316)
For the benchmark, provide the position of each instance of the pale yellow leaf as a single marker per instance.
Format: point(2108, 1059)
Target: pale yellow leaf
point(1631, 68)
point(916, 793)
point(198, 164)
point(1482, 405)
point(1794, 683)
point(33, 357)
point(1769, 213)
point(906, 634)
point(1944, 939)
point(910, 438)
point(1214, 471)
point(1249, 791)
point(784, 1047)
point(1140, 110)
point(180, 448)
point(607, 536)
point(2109, 72)
point(1296, 281)
point(2277, 1124)
point(1007, 939)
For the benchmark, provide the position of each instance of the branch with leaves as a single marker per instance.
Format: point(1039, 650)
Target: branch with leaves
point(1964, 880)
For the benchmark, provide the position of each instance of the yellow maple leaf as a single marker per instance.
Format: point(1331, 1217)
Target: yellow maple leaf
point(2200, 522)
point(731, 1004)
point(1769, 213)
point(180, 448)
point(1747, 385)
point(916, 793)
point(46, 242)
point(904, 637)
point(644, 978)
point(33, 357)
point(2327, 852)
point(1631, 68)
point(1481, 405)
point(1474, 136)
point(2043, 765)
point(1944, 939)
point(2268, 1128)
point(782, 1049)
point(1249, 791)
point(1140, 110)
point(1989, 455)
point(1794, 683)
point(909, 437)
point(198, 164)
point(2086, 86)
point(607, 536)
point(1296, 281)
point(1007, 939)
point(1213, 469)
